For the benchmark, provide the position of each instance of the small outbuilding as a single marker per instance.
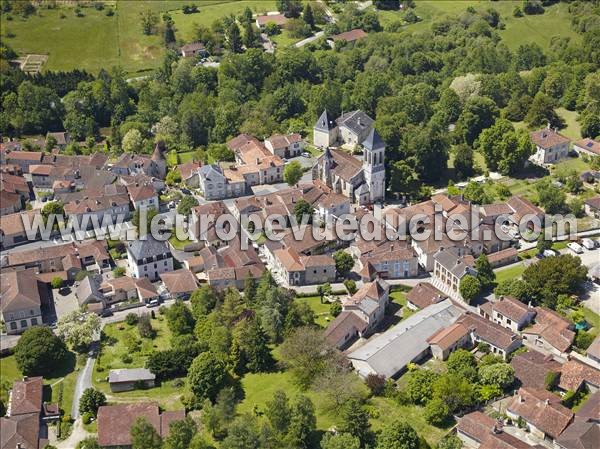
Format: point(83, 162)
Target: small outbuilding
point(128, 379)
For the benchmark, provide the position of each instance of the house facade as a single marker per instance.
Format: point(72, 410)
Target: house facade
point(550, 145)
point(149, 258)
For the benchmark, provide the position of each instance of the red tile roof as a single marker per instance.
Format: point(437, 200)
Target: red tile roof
point(542, 409)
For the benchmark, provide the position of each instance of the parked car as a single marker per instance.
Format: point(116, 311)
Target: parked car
point(588, 243)
point(306, 154)
point(106, 312)
point(152, 303)
point(186, 191)
point(549, 253)
point(575, 247)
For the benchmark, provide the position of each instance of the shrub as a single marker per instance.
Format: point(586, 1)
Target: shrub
point(551, 380)
point(86, 418)
point(131, 319)
point(126, 358)
point(335, 309)
point(376, 383)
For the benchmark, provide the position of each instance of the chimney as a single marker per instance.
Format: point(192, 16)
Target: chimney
point(257, 161)
point(548, 126)
point(520, 399)
point(359, 122)
point(547, 401)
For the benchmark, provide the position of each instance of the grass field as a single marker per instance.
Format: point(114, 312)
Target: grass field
point(186, 23)
point(65, 375)
point(512, 272)
point(321, 310)
point(111, 356)
point(97, 41)
point(528, 29)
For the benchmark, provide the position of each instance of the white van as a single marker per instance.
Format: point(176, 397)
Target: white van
point(588, 243)
point(549, 253)
point(575, 247)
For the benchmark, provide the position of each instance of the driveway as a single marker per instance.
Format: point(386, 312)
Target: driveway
point(84, 380)
point(65, 301)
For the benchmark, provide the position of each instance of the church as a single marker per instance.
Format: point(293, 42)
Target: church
point(361, 180)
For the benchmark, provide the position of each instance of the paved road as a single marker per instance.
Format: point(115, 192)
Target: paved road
point(303, 42)
point(84, 381)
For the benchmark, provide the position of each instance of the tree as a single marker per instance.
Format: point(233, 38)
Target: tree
point(344, 263)
point(292, 173)
point(207, 376)
point(186, 204)
point(243, 433)
point(180, 434)
point(450, 442)
point(203, 301)
point(455, 390)
point(149, 213)
point(91, 400)
point(234, 38)
point(463, 161)
point(57, 282)
point(249, 35)
point(478, 114)
point(551, 197)
point(278, 412)
point(339, 441)
point(303, 422)
point(398, 435)
point(543, 244)
point(148, 20)
point(252, 347)
point(541, 112)
point(308, 16)
point(119, 272)
point(469, 288)
point(303, 211)
point(78, 328)
point(324, 290)
point(173, 178)
point(290, 8)
point(436, 412)
point(144, 326)
point(180, 319)
point(485, 272)
point(86, 443)
point(553, 276)
point(350, 286)
point(272, 29)
point(53, 208)
point(144, 435)
point(306, 353)
point(500, 374)
point(463, 363)
point(133, 141)
point(419, 385)
point(355, 421)
point(504, 148)
point(529, 56)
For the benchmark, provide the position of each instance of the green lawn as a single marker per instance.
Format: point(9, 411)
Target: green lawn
point(573, 129)
point(97, 41)
point(115, 346)
point(284, 39)
point(186, 157)
point(399, 297)
point(511, 272)
point(186, 23)
point(65, 375)
point(528, 29)
point(179, 244)
point(321, 310)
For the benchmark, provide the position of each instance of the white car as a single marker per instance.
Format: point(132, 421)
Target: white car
point(588, 243)
point(575, 247)
point(306, 154)
point(549, 253)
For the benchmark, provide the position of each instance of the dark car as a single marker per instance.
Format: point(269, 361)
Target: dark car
point(186, 191)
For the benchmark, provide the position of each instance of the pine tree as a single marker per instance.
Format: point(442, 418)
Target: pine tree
point(485, 272)
point(308, 16)
point(249, 36)
point(234, 39)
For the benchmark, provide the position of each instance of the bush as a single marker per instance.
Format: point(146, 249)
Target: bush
point(376, 383)
point(583, 339)
point(126, 358)
point(56, 282)
point(91, 400)
point(551, 380)
point(145, 327)
point(110, 12)
point(335, 309)
point(119, 272)
point(131, 319)
point(86, 418)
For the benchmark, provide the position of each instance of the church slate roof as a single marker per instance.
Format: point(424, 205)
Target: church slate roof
point(373, 141)
point(324, 124)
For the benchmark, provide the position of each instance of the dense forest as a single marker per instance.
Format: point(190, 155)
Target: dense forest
point(456, 87)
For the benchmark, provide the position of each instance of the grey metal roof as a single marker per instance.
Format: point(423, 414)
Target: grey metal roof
point(89, 290)
point(130, 375)
point(356, 121)
point(323, 123)
point(147, 248)
point(373, 141)
point(453, 262)
point(390, 352)
point(208, 171)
